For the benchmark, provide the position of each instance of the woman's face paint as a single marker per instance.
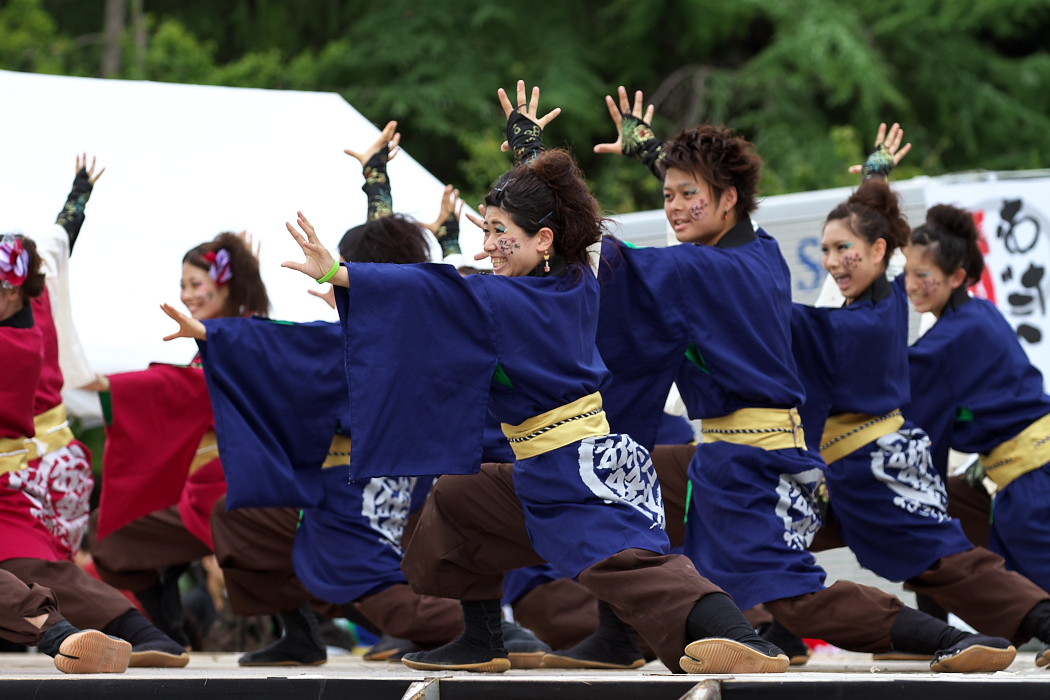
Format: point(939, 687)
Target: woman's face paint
point(201, 295)
point(692, 210)
point(513, 253)
point(928, 287)
point(851, 261)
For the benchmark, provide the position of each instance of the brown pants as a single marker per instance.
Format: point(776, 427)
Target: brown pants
point(472, 530)
point(86, 602)
point(972, 506)
point(975, 585)
point(132, 557)
point(18, 602)
point(563, 612)
point(254, 548)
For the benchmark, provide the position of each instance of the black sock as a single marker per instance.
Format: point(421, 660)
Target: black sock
point(133, 627)
point(716, 615)
point(1037, 622)
point(51, 640)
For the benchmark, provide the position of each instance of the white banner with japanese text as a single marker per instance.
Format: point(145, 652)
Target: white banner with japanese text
point(1013, 216)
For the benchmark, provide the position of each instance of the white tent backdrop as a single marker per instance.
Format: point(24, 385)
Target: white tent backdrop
point(183, 163)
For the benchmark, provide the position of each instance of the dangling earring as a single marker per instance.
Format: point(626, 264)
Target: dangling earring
point(546, 261)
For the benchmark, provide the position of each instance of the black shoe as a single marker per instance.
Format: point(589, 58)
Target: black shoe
point(458, 656)
point(975, 653)
point(390, 649)
point(797, 651)
point(524, 649)
point(480, 648)
point(613, 645)
point(300, 644)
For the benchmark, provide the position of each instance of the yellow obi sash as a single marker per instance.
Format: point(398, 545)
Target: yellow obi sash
point(52, 432)
point(583, 418)
point(207, 450)
point(766, 428)
point(1020, 455)
point(14, 454)
point(847, 432)
point(338, 453)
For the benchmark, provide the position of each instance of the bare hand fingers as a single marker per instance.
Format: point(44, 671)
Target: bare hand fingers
point(650, 112)
point(477, 221)
point(899, 155)
point(615, 113)
point(549, 117)
point(625, 105)
point(639, 104)
point(521, 93)
point(880, 135)
point(504, 101)
point(534, 103)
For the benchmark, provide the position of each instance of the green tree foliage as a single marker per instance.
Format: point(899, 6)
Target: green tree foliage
point(807, 80)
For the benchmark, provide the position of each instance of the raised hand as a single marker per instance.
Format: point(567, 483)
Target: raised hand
point(92, 178)
point(328, 296)
point(446, 227)
point(389, 141)
point(633, 120)
point(524, 125)
point(887, 155)
point(189, 327)
point(319, 263)
point(254, 247)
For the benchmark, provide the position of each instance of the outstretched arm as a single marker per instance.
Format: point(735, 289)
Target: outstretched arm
point(887, 155)
point(634, 134)
point(524, 125)
point(71, 218)
point(446, 227)
point(189, 327)
point(373, 163)
point(319, 264)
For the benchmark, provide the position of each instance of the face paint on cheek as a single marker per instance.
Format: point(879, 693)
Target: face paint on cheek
point(850, 261)
point(508, 245)
point(929, 286)
point(699, 209)
point(205, 296)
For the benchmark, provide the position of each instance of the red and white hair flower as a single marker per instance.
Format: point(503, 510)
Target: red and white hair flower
point(220, 269)
point(14, 262)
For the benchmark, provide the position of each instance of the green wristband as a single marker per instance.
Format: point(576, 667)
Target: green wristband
point(330, 275)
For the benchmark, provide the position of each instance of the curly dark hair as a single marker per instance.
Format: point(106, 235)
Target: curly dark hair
point(550, 192)
point(874, 212)
point(34, 284)
point(952, 238)
point(388, 239)
point(721, 158)
point(247, 292)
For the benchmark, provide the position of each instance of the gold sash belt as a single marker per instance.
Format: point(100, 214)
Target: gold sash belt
point(52, 432)
point(14, 454)
point(1020, 455)
point(583, 418)
point(847, 432)
point(338, 453)
point(767, 428)
point(207, 450)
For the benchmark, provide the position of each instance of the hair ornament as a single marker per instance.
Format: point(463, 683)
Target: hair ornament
point(220, 269)
point(14, 262)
